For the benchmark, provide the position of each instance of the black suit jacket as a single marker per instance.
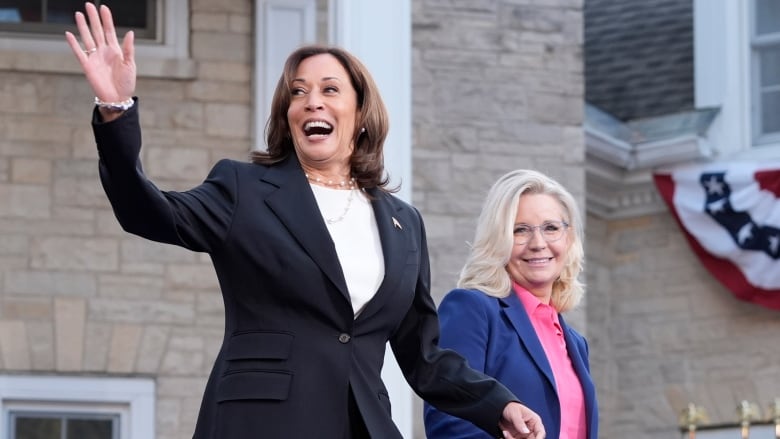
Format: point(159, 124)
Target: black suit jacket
point(292, 348)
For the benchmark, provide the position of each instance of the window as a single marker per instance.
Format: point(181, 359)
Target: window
point(31, 35)
point(54, 425)
point(64, 407)
point(766, 71)
point(28, 17)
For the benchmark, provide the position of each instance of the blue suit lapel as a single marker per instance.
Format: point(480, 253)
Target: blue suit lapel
point(515, 312)
point(295, 206)
point(573, 347)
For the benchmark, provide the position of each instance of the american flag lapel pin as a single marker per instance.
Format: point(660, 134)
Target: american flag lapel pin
point(396, 224)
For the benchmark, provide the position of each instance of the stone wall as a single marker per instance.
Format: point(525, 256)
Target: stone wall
point(664, 333)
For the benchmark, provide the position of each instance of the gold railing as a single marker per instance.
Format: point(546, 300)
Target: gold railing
point(694, 417)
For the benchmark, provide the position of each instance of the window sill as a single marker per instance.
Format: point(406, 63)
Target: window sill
point(61, 62)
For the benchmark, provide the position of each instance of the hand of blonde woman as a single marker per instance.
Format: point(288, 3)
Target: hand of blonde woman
point(520, 422)
point(109, 68)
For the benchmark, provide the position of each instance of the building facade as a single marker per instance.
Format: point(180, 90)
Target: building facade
point(102, 326)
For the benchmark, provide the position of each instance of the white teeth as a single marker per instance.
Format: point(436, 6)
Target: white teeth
point(317, 124)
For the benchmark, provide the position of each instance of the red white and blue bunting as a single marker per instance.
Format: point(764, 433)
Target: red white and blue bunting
point(730, 214)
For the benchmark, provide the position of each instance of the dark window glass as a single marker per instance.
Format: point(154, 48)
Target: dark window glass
point(767, 16)
point(43, 425)
point(770, 109)
point(38, 428)
point(89, 429)
point(56, 16)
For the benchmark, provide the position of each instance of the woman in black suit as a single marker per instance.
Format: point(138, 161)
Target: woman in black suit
point(319, 265)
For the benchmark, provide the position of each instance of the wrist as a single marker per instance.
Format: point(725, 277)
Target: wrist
point(114, 107)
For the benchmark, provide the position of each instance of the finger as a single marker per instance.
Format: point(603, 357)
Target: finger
point(95, 25)
point(76, 47)
point(108, 25)
point(128, 49)
point(86, 35)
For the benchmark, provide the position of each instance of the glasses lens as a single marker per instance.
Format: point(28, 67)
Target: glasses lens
point(550, 231)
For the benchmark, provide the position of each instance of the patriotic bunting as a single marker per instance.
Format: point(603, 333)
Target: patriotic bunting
point(730, 214)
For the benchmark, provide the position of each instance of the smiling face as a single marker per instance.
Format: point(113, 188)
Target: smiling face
point(322, 114)
point(536, 264)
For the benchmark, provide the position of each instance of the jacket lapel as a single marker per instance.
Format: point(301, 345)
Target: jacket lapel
point(394, 234)
point(578, 362)
point(513, 308)
point(294, 204)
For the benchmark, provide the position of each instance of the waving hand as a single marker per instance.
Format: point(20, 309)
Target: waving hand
point(109, 68)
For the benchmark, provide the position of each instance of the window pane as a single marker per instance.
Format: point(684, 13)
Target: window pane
point(767, 16)
point(770, 112)
point(129, 14)
point(17, 11)
point(61, 11)
point(37, 428)
point(56, 16)
point(90, 429)
point(770, 66)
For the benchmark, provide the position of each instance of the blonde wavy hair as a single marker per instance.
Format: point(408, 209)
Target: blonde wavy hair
point(485, 267)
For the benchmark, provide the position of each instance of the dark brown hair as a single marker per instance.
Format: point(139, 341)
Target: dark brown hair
point(367, 160)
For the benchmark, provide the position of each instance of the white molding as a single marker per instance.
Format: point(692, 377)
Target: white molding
point(281, 27)
point(619, 174)
point(132, 398)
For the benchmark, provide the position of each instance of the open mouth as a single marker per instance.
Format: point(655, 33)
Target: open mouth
point(317, 128)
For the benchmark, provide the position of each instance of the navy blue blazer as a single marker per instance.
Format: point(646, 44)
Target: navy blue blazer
point(292, 348)
point(496, 337)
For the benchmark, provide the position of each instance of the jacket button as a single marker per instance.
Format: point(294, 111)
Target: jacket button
point(344, 338)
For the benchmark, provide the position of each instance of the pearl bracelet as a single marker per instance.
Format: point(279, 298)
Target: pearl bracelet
point(115, 106)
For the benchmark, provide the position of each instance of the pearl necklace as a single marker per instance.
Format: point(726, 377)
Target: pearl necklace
point(346, 208)
point(343, 184)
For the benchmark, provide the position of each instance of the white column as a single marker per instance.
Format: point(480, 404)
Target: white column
point(281, 27)
point(379, 34)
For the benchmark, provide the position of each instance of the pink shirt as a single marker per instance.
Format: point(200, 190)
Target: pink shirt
point(545, 321)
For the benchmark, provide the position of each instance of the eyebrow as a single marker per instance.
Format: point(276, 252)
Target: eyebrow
point(327, 78)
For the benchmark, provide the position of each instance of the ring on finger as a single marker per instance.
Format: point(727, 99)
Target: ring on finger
point(90, 51)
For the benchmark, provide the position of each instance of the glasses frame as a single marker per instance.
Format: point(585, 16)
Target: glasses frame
point(564, 228)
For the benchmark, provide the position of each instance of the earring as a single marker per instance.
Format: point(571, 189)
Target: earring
point(362, 130)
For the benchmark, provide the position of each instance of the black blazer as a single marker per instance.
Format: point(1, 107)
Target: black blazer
point(292, 348)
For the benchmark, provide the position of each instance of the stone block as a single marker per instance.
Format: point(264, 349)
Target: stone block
point(74, 254)
point(69, 324)
point(14, 345)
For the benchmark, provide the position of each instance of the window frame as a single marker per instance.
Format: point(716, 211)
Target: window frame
point(47, 29)
point(168, 58)
point(48, 411)
point(132, 399)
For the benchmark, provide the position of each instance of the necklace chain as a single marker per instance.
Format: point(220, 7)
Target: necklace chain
point(343, 184)
point(346, 208)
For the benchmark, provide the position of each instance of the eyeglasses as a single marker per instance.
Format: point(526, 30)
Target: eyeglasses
point(550, 230)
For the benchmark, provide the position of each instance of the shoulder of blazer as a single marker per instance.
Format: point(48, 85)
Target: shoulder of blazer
point(474, 298)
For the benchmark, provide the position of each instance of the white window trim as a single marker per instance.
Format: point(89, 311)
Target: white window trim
point(722, 77)
point(133, 399)
point(168, 58)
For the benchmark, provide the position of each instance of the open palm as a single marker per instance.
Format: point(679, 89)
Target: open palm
point(109, 68)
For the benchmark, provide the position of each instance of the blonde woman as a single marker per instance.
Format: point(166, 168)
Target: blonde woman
point(505, 316)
